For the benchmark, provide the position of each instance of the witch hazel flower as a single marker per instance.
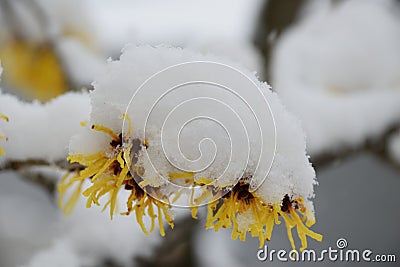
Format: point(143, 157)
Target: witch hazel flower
point(181, 129)
point(109, 171)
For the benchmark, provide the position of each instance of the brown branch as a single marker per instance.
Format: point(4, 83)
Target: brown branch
point(377, 146)
point(35, 177)
point(275, 18)
point(10, 20)
point(16, 165)
point(176, 249)
point(381, 148)
point(40, 180)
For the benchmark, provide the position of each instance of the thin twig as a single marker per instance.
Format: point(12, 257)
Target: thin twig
point(26, 169)
point(41, 180)
point(275, 18)
point(377, 146)
point(17, 165)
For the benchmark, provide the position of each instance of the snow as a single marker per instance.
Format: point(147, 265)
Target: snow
point(86, 238)
point(234, 50)
point(38, 131)
point(64, 24)
point(291, 171)
point(41, 20)
point(82, 63)
point(95, 238)
point(27, 222)
point(41, 131)
point(224, 30)
point(336, 71)
point(66, 17)
point(174, 22)
point(61, 254)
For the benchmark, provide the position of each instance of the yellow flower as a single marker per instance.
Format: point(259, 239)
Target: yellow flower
point(3, 117)
point(245, 212)
point(108, 172)
point(33, 70)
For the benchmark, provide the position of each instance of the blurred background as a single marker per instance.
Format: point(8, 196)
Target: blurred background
point(334, 63)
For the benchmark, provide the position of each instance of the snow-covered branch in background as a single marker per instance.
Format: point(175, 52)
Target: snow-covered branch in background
point(41, 132)
point(86, 238)
point(342, 60)
point(39, 44)
point(92, 238)
point(109, 155)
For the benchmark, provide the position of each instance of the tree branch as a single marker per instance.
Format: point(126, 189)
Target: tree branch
point(36, 177)
point(275, 18)
point(377, 146)
point(176, 249)
point(16, 165)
